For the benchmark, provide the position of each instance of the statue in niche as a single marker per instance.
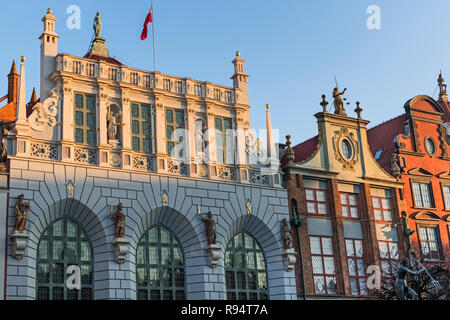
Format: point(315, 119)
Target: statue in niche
point(286, 234)
point(210, 226)
point(200, 144)
point(97, 25)
point(119, 221)
point(21, 209)
point(338, 103)
point(113, 124)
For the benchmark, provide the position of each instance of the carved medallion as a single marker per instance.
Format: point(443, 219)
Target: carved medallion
point(346, 148)
point(115, 160)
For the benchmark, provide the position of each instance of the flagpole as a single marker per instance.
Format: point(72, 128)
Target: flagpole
point(153, 31)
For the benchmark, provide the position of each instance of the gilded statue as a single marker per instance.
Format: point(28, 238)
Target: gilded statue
point(338, 103)
point(21, 209)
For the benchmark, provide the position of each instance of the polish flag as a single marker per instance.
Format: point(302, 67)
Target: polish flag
point(148, 19)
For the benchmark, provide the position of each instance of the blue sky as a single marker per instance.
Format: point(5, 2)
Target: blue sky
point(293, 48)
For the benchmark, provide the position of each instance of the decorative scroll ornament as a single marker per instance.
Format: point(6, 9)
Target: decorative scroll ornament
point(164, 198)
point(70, 189)
point(341, 138)
point(249, 207)
point(202, 170)
point(44, 114)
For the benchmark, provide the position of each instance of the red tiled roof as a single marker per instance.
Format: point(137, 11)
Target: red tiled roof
point(303, 150)
point(382, 137)
point(101, 58)
point(8, 112)
point(446, 108)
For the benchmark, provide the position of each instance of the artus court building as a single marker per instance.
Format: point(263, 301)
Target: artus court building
point(114, 192)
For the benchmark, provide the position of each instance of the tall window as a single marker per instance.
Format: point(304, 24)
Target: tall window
point(245, 269)
point(446, 191)
point(160, 266)
point(349, 205)
point(389, 257)
point(224, 141)
point(423, 196)
point(324, 271)
point(174, 134)
point(85, 119)
point(382, 208)
point(356, 267)
point(430, 243)
point(316, 201)
point(140, 127)
point(63, 244)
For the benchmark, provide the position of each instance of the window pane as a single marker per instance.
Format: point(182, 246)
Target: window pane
point(310, 195)
point(327, 246)
point(68, 245)
point(315, 245)
point(246, 278)
point(169, 116)
point(163, 264)
point(319, 285)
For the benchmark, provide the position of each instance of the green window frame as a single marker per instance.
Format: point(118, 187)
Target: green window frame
point(245, 269)
point(85, 123)
point(224, 140)
point(141, 128)
point(174, 121)
point(160, 267)
point(64, 243)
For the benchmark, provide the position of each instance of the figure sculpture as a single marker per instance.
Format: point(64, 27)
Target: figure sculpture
point(97, 25)
point(113, 123)
point(21, 209)
point(401, 287)
point(210, 225)
point(119, 220)
point(286, 233)
point(338, 103)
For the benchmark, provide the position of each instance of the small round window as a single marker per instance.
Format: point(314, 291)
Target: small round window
point(346, 149)
point(431, 147)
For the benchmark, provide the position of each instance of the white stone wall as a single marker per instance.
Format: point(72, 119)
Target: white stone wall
point(43, 185)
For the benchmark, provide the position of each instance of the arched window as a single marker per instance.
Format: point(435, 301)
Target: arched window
point(160, 266)
point(245, 269)
point(63, 244)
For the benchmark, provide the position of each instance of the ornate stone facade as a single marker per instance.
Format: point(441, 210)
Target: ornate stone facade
point(60, 156)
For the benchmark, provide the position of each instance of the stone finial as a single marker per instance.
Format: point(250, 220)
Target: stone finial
point(49, 11)
point(358, 109)
point(290, 155)
point(324, 103)
point(238, 54)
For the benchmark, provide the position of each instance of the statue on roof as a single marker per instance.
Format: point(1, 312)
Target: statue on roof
point(442, 87)
point(97, 25)
point(338, 102)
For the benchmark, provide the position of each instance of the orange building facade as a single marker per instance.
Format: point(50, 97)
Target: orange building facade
point(415, 148)
point(344, 209)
